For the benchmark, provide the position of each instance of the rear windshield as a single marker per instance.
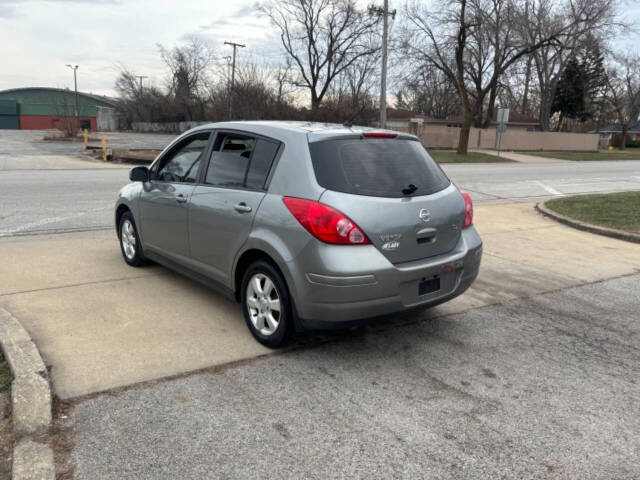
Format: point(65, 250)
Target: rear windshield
point(376, 167)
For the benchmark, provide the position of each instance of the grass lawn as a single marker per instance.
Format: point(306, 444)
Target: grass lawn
point(5, 376)
point(628, 154)
point(448, 156)
point(612, 210)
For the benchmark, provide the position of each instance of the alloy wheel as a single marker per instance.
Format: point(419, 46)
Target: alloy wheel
point(263, 304)
point(128, 239)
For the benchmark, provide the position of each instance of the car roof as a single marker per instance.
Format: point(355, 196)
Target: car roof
point(314, 130)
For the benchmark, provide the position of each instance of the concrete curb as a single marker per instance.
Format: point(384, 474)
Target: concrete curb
point(32, 461)
point(30, 401)
point(588, 227)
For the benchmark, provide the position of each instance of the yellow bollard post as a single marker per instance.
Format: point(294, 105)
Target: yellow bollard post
point(86, 139)
point(104, 148)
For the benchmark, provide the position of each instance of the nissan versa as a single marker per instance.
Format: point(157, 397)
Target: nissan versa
point(307, 225)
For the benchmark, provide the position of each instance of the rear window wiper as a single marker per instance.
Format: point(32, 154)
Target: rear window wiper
point(409, 189)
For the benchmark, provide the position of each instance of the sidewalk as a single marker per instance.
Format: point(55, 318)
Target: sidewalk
point(521, 157)
point(100, 324)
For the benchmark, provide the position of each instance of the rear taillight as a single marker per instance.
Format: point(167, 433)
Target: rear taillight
point(468, 210)
point(325, 223)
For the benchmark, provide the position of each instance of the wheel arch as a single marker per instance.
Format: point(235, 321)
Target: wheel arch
point(250, 255)
point(245, 259)
point(120, 210)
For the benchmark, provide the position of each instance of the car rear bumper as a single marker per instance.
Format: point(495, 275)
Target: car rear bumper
point(337, 286)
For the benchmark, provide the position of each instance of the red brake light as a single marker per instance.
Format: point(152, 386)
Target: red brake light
point(468, 209)
point(325, 223)
point(379, 135)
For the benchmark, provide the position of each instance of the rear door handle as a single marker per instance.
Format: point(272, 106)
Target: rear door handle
point(242, 207)
point(181, 198)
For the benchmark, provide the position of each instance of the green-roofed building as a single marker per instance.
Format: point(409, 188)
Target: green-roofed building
point(42, 108)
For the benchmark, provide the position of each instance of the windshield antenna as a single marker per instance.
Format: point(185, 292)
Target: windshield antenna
point(349, 123)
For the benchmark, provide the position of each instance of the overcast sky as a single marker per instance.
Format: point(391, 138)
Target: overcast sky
point(38, 37)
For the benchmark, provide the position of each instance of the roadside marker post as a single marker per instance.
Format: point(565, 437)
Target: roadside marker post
point(86, 139)
point(503, 118)
point(104, 148)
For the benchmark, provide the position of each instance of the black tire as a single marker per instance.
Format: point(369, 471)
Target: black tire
point(281, 333)
point(137, 258)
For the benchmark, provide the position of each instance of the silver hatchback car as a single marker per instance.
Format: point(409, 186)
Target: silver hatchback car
point(307, 225)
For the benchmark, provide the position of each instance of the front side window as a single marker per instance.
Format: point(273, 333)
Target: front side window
point(240, 161)
point(181, 164)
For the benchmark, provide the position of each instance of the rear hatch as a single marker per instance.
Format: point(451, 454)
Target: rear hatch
point(394, 191)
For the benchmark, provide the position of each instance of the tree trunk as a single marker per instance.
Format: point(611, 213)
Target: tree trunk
point(545, 114)
point(315, 101)
point(463, 141)
point(525, 96)
point(477, 119)
point(623, 141)
point(491, 107)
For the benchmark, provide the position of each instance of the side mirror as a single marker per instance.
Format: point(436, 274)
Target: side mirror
point(139, 174)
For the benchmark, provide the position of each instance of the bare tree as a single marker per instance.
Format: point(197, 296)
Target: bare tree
point(579, 20)
point(189, 65)
point(322, 37)
point(66, 121)
point(623, 92)
point(362, 78)
point(148, 104)
point(428, 91)
point(474, 42)
point(285, 82)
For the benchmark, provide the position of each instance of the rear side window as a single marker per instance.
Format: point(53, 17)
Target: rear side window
point(376, 167)
point(240, 161)
point(261, 161)
point(230, 160)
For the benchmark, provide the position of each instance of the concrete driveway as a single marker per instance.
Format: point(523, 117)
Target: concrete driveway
point(538, 388)
point(100, 324)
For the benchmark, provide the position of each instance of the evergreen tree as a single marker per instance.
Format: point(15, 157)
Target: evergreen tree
point(581, 86)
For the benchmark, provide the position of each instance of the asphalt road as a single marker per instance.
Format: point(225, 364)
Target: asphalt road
point(517, 181)
point(545, 387)
point(39, 198)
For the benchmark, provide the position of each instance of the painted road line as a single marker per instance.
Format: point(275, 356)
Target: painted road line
point(45, 221)
point(547, 188)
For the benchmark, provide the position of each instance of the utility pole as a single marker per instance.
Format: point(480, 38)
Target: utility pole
point(75, 85)
point(228, 59)
point(233, 75)
point(140, 77)
point(385, 13)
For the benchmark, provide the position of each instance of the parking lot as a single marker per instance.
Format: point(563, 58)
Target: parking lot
point(531, 373)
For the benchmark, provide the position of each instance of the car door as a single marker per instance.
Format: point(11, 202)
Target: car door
point(164, 199)
point(222, 208)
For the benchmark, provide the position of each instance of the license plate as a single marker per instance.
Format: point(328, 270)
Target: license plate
point(429, 286)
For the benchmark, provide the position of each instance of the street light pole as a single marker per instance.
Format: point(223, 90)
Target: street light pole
point(75, 85)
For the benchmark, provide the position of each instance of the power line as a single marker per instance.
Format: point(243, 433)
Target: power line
point(233, 75)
